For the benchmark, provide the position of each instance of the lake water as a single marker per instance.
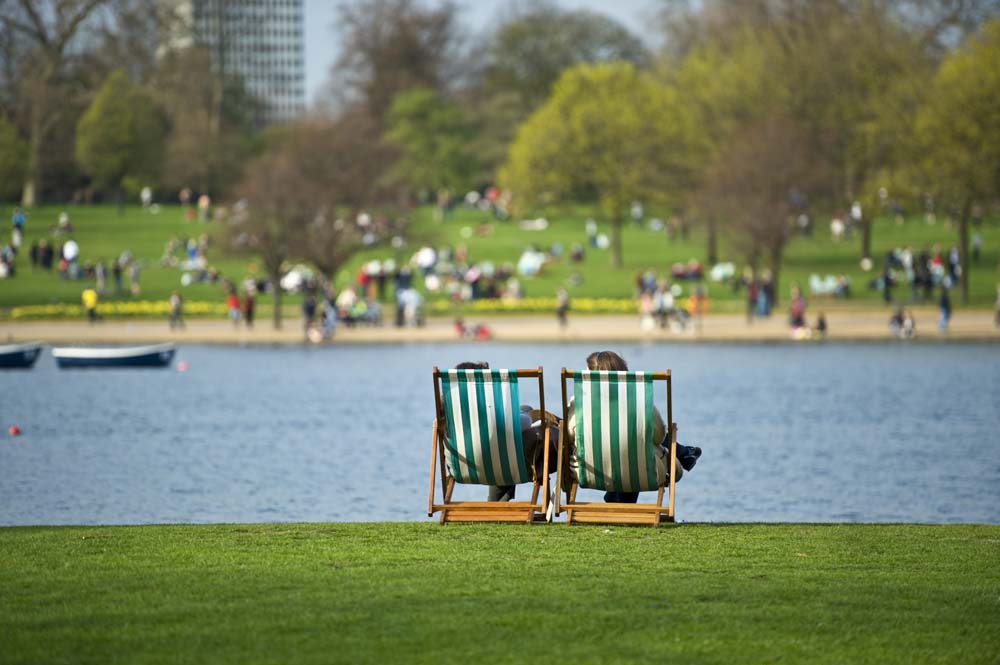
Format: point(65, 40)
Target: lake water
point(850, 432)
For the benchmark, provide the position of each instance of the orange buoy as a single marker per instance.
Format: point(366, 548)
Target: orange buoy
point(14, 430)
point(182, 366)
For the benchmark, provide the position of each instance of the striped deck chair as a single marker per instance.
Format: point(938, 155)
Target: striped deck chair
point(477, 440)
point(614, 446)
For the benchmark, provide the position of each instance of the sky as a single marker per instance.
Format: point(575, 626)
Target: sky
point(321, 42)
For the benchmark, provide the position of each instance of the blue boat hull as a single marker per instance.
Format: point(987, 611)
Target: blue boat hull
point(20, 359)
point(155, 359)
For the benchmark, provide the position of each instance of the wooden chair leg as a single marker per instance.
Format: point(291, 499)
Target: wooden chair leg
point(434, 452)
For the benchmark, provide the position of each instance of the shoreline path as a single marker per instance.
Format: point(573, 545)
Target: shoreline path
point(974, 325)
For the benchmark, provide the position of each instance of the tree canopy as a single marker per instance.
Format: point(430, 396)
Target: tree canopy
point(608, 134)
point(433, 135)
point(121, 134)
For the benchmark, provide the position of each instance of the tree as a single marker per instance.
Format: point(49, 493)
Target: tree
point(608, 134)
point(349, 164)
point(850, 74)
point(527, 54)
point(757, 182)
point(120, 135)
point(956, 139)
point(514, 74)
point(300, 198)
point(12, 152)
point(48, 30)
point(390, 46)
point(727, 84)
point(202, 150)
point(433, 136)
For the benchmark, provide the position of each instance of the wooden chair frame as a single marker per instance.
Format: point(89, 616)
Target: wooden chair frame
point(486, 511)
point(614, 513)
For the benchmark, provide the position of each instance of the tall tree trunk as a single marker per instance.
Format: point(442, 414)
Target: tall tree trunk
point(963, 249)
point(713, 242)
point(866, 237)
point(275, 277)
point(29, 193)
point(776, 252)
point(616, 240)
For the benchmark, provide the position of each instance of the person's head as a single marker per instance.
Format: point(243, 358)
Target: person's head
point(473, 365)
point(606, 360)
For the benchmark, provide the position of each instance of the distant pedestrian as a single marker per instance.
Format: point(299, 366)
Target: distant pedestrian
point(233, 307)
point(944, 304)
point(133, 277)
point(248, 307)
point(204, 207)
point(89, 298)
point(562, 307)
point(116, 273)
point(308, 312)
point(18, 219)
point(176, 310)
point(101, 276)
point(821, 326)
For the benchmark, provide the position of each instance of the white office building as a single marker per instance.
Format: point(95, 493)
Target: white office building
point(259, 41)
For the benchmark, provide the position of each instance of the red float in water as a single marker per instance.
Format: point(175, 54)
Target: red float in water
point(182, 366)
point(14, 430)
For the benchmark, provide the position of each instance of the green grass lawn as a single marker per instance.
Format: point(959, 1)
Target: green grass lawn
point(103, 234)
point(375, 593)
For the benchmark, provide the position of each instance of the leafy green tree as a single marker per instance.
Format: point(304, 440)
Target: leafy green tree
point(433, 136)
point(609, 135)
point(957, 138)
point(12, 155)
point(851, 74)
point(120, 135)
point(522, 60)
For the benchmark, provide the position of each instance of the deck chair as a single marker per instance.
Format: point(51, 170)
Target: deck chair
point(477, 440)
point(614, 451)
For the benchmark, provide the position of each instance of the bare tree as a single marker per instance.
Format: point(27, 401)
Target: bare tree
point(301, 198)
point(393, 45)
point(758, 182)
point(48, 30)
point(350, 162)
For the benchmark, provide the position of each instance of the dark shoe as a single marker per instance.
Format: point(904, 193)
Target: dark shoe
point(688, 456)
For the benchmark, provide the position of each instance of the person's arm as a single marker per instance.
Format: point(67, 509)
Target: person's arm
point(660, 438)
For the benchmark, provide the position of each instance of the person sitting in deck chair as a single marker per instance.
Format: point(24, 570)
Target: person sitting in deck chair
point(533, 436)
point(687, 456)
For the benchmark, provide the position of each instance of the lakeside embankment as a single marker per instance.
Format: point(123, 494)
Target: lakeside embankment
point(844, 325)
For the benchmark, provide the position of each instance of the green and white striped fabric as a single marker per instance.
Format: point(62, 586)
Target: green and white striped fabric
point(614, 430)
point(482, 416)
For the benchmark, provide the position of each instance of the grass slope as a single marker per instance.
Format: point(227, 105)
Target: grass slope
point(373, 593)
point(102, 233)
